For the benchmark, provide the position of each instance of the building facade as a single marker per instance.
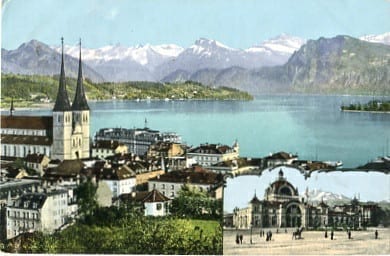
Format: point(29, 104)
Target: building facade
point(211, 154)
point(31, 212)
point(137, 140)
point(283, 207)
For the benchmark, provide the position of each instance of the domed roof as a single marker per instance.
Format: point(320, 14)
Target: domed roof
point(281, 187)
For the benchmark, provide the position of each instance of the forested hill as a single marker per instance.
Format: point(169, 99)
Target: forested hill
point(25, 90)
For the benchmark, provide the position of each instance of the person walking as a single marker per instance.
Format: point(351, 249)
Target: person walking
point(326, 234)
point(237, 239)
point(241, 238)
point(331, 235)
point(376, 234)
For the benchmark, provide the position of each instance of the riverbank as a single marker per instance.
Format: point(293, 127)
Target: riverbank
point(312, 242)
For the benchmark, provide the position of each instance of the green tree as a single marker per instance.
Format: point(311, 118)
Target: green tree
point(86, 198)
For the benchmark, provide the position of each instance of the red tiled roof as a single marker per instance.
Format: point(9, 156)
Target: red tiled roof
point(26, 139)
point(155, 196)
point(107, 144)
point(27, 122)
point(204, 177)
point(211, 149)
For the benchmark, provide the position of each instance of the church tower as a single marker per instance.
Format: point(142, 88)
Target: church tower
point(80, 123)
point(62, 118)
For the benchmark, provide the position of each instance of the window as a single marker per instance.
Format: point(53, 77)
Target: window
point(158, 206)
point(172, 194)
point(172, 187)
point(163, 186)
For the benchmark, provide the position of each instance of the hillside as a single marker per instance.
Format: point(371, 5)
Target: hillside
point(26, 90)
point(342, 64)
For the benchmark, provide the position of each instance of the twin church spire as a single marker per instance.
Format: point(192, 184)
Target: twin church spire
point(62, 101)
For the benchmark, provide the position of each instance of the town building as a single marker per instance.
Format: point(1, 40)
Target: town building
point(137, 140)
point(172, 153)
point(152, 203)
point(37, 162)
point(283, 207)
point(63, 135)
point(45, 212)
point(105, 148)
point(120, 180)
point(280, 158)
point(210, 154)
point(169, 184)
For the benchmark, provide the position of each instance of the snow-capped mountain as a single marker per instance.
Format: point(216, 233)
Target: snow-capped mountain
point(211, 54)
point(34, 57)
point(143, 54)
point(120, 63)
point(383, 38)
point(283, 44)
point(317, 195)
point(154, 62)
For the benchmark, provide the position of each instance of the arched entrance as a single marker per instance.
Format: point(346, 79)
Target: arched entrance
point(293, 216)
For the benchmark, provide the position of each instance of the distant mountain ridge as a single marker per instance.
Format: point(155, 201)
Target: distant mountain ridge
point(36, 58)
point(341, 64)
point(317, 196)
point(282, 64)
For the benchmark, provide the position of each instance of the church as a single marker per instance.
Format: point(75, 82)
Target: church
point(282, 207)
point(64, 135)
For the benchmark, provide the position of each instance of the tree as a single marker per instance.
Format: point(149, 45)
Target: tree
point(86, 198)
point(191, 202)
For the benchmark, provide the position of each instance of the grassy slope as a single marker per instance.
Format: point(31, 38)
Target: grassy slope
point(24, 88)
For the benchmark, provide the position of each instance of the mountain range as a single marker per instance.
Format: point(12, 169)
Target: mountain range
point(283, 63)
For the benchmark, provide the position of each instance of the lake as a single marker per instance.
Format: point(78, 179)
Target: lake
point(310, 125)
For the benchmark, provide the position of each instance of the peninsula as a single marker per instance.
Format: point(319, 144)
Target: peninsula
point(372, 106)
point(27, 90)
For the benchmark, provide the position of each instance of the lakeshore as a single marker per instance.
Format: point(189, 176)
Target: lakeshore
point(312, 243)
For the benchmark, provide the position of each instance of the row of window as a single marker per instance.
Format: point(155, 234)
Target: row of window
point(9, 150)
point(24, 215)
point(68, 117)
point(24, 132)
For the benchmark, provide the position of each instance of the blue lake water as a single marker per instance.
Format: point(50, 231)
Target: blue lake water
point(312, 126)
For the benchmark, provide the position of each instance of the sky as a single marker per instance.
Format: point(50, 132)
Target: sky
point(236, 23)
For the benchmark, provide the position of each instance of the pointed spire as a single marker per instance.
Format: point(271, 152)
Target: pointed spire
point(12, 109)
point(80, 101)
point(62, 101)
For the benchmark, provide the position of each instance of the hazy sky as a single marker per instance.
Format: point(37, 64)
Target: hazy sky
point(236, 23)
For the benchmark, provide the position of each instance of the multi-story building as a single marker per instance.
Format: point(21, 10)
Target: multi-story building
point(173, 154)
point(105, 148)
point(121, 180)
point(137, 140)
point(63, 135)
point(283, 207)
point(171, 183)
point(210, 154)
point(31, 212)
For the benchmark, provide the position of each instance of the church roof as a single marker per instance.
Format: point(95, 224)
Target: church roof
point(27, 122)
point(62, 101)
point(26, 140)
point(80, 101)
